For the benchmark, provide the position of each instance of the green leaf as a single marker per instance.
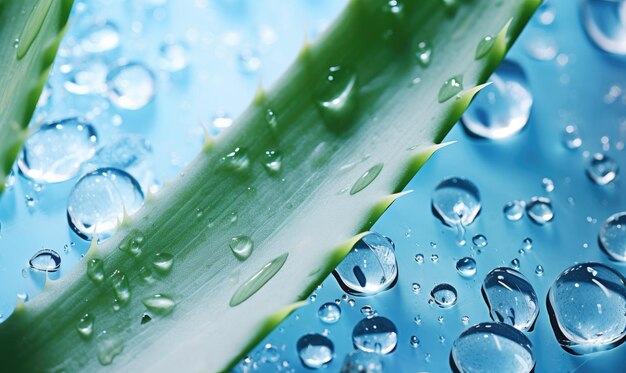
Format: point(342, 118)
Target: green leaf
point(30, 32)
point(349, 124)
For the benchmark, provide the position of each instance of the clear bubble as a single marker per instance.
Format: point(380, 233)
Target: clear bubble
point(479, 240)
point(56, 151)
point(336, 97)
point(450, 88)
point(315, 350)
point(444, 295)
point(375, 334)
point(612, 236)
point(602, 170)
point(131, 86)
point(514, 210)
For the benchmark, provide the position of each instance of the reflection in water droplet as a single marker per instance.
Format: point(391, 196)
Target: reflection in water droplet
point(587, 304)
point(602, 170)
point(423, 53)
point(366, 179)
point(329, 313)
point(511, 298)
point(256, 282)
point(85, 326)
point(173, 56)
point(444, 295)
point(108, 346)
point(539, 210)
point(100, 37)
point(99, 201)
point(315, 350)
point(362, 362)
point(159, 304)
point(605, 23)
point(514, 210)
point(56, 151)
point(501, 109)
point(336, 98)
point(450, 88)
point(612, 236)
point(466, 267)
point(456, 201)
point(376, 334)
point(241, 246)
point(571, 137)
point(484, 46)
point(95, 270)
point(131, 86)
point(370, 267)
point(45, 260)
point(163, 262)
point(492, 347)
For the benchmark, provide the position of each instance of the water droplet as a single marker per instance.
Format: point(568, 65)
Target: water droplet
point(336, 98)
point(108, 347)
point(571, 137)
point(159, 304)
point(236, 161)
point(605, 23)
point(45, 260)
point(423, 53)
point(587, 304)
point(444, 295)
point(121, 289)
point(450, 88)
point(273, 162)
point(131, 86)
point(456, 201)
point(329, 313)
point(612, 236)
point(419, 258)
point(479, 240)
point(163, 262)
point(417, 288)
point(99, 201)
point(100, 37)
point(376, 334)
point(484, 46)
point(256, 282)
point(515, 263)
point(547, 184)
point(221, 120)
point(542, 47)
point(370, 267)
point(514, 210)
point(511, 298)
point(602, 170)
point(366, 179)
point(85, 326)
point(249, 60)
point(241, 246)
point(501, 109)
point(87, 79)
point(539, 270)
point(527, 244)
point(132, 243)
point(362, 362)
point(466, 267)
point(492, 347)
point(95, 270)
point(539, 210)
point(55, 152)
point(271, 119)
point(173, 56)
point(315, 350)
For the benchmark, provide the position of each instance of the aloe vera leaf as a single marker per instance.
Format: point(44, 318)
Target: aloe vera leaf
point(30, 32)
point(297, 217)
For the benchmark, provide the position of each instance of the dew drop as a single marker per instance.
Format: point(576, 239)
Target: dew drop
point(602, 170)
point(121, 289)
point(539, 210)
point(510, 298)
point(241, 246)
point(336, 98)
point(370, 267)
point(159, 304)
point(423, 53)
point(414, 341)
point(131, 86)
point(273, 162)
point(100, 37)
point(450, 88)
point(514, 210)
point(249, 60)
point(587, 304)
point(484, 46)
point(85, 326)
point(366, 179)
point(163, 262)
point(466, 267)
point(444, 295)
point(256, 282)
point(315, 350)
point(605, 23)
point(108, 346)
point(95, 270)
point(612, 236)
point(56, 151)
point(236, 161)
point(87, 79)
point(376, 334)
point(492, 347)
point(45, 260)
point(515, 263)
point(329, 313)
point(173, 56)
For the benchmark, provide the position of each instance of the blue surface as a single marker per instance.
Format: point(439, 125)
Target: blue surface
point(570, 88)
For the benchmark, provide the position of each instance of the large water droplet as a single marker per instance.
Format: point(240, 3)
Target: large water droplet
point(362, 362)
point(605, 23)
point(273, 162)
point(315, 350)
point(121, 289)
point(173, 56)
point(95, 270)
point(587, 304)
point(514, 210)
point(100, 37)
point(602, 170)
point(450, 88)
point(45, 260)
point(511, 298)
point(256, 282)
point(87, 79)
point(85, 326)
point(163, 262)
point(99, 201)
point(456, 201)
point(501, 109)
point(370, 267)
point(108, 346)
point(249, 60)
point(241, 246)
point(159, 304)
point(466, 267)
point(375, 334)
point(492, 347)
point(336, 97)
point(612, 236)
point(444, 295)
point(131, 86)
point(56, 151)
point(366, 179)
point(539, 210)
point(329, 313)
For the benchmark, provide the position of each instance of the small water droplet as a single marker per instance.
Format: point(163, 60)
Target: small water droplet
point(108, 346)
point(466, 267)
point(163, 262)
point(368, 311)
point(249, 60)
point(479, 240)
point(121, 289)
point(510, 298)
point(376, 334)
point(273, 162)
point(329, 313)
point(95, 270)
point(45, 260)
point(571, 137)
point(444, 295)
point(484, 46)
point(173, 56)
point(131, 86)
point(315, 350)
point(539, 210)
point(336, 98)
point(159, 304)
point(419, 258)
point(539, 270)
point(87, 79)
point(434, 258)
point(527, 244)
point(602, 170)
point(241, 246)
point(612, 236)
point(423, 53)
point(465, 320)
point(514, 210)
point(450, 88)
point(85, 326)
point(362, 362)
point(366, 179)
point(100, 37)
point(456, 201)
point(256, 282)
